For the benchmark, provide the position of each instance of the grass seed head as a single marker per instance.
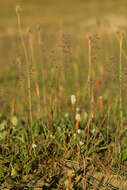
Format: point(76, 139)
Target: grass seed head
point(77, 110)
point(79, 131)
point(77, 117)
point(73, 99)
point(34, 146)
point(18, 9)
point(81, 143)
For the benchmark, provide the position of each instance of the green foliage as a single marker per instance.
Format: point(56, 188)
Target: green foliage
point(124, 155)
point(1, 175)
point(27, 167)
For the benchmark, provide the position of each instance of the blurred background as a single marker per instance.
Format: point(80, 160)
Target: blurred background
point(56, 37)
point(76, 13)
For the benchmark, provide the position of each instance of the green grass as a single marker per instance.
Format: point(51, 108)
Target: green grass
point(63, 50)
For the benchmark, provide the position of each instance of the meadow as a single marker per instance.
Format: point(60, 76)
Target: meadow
point(63, 95)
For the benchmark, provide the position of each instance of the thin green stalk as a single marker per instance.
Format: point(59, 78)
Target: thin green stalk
point(28, 71)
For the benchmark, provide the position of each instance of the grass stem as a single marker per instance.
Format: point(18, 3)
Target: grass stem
point(28, 71)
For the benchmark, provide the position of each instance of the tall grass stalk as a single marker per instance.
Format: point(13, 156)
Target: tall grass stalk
point(88, 130)
point(31, 44)
point(89, 62)
point(37, 89)
point(39, 37)
point(38, 96)
point(18, 10)
point(120, 80)
point(12, 107)
point(101, 106)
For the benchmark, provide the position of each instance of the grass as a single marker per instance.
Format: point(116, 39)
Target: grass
point(63, 99)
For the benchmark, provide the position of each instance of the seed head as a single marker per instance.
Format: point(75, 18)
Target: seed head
point(81, 143)
point(34, 146)
point(79, 131)
point(18, 9)
point(77, 117)
point(100, 97)
point(69, 172)
point(77, 110)
point(73, 99)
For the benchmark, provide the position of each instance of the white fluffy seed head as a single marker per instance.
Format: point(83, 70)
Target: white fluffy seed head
point(73, 99)
point(77, 117)
point(81, 143)
point(79, 131)
point(34, 146)
point(77, 110)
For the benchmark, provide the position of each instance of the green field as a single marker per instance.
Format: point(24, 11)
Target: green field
point(63, 94)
